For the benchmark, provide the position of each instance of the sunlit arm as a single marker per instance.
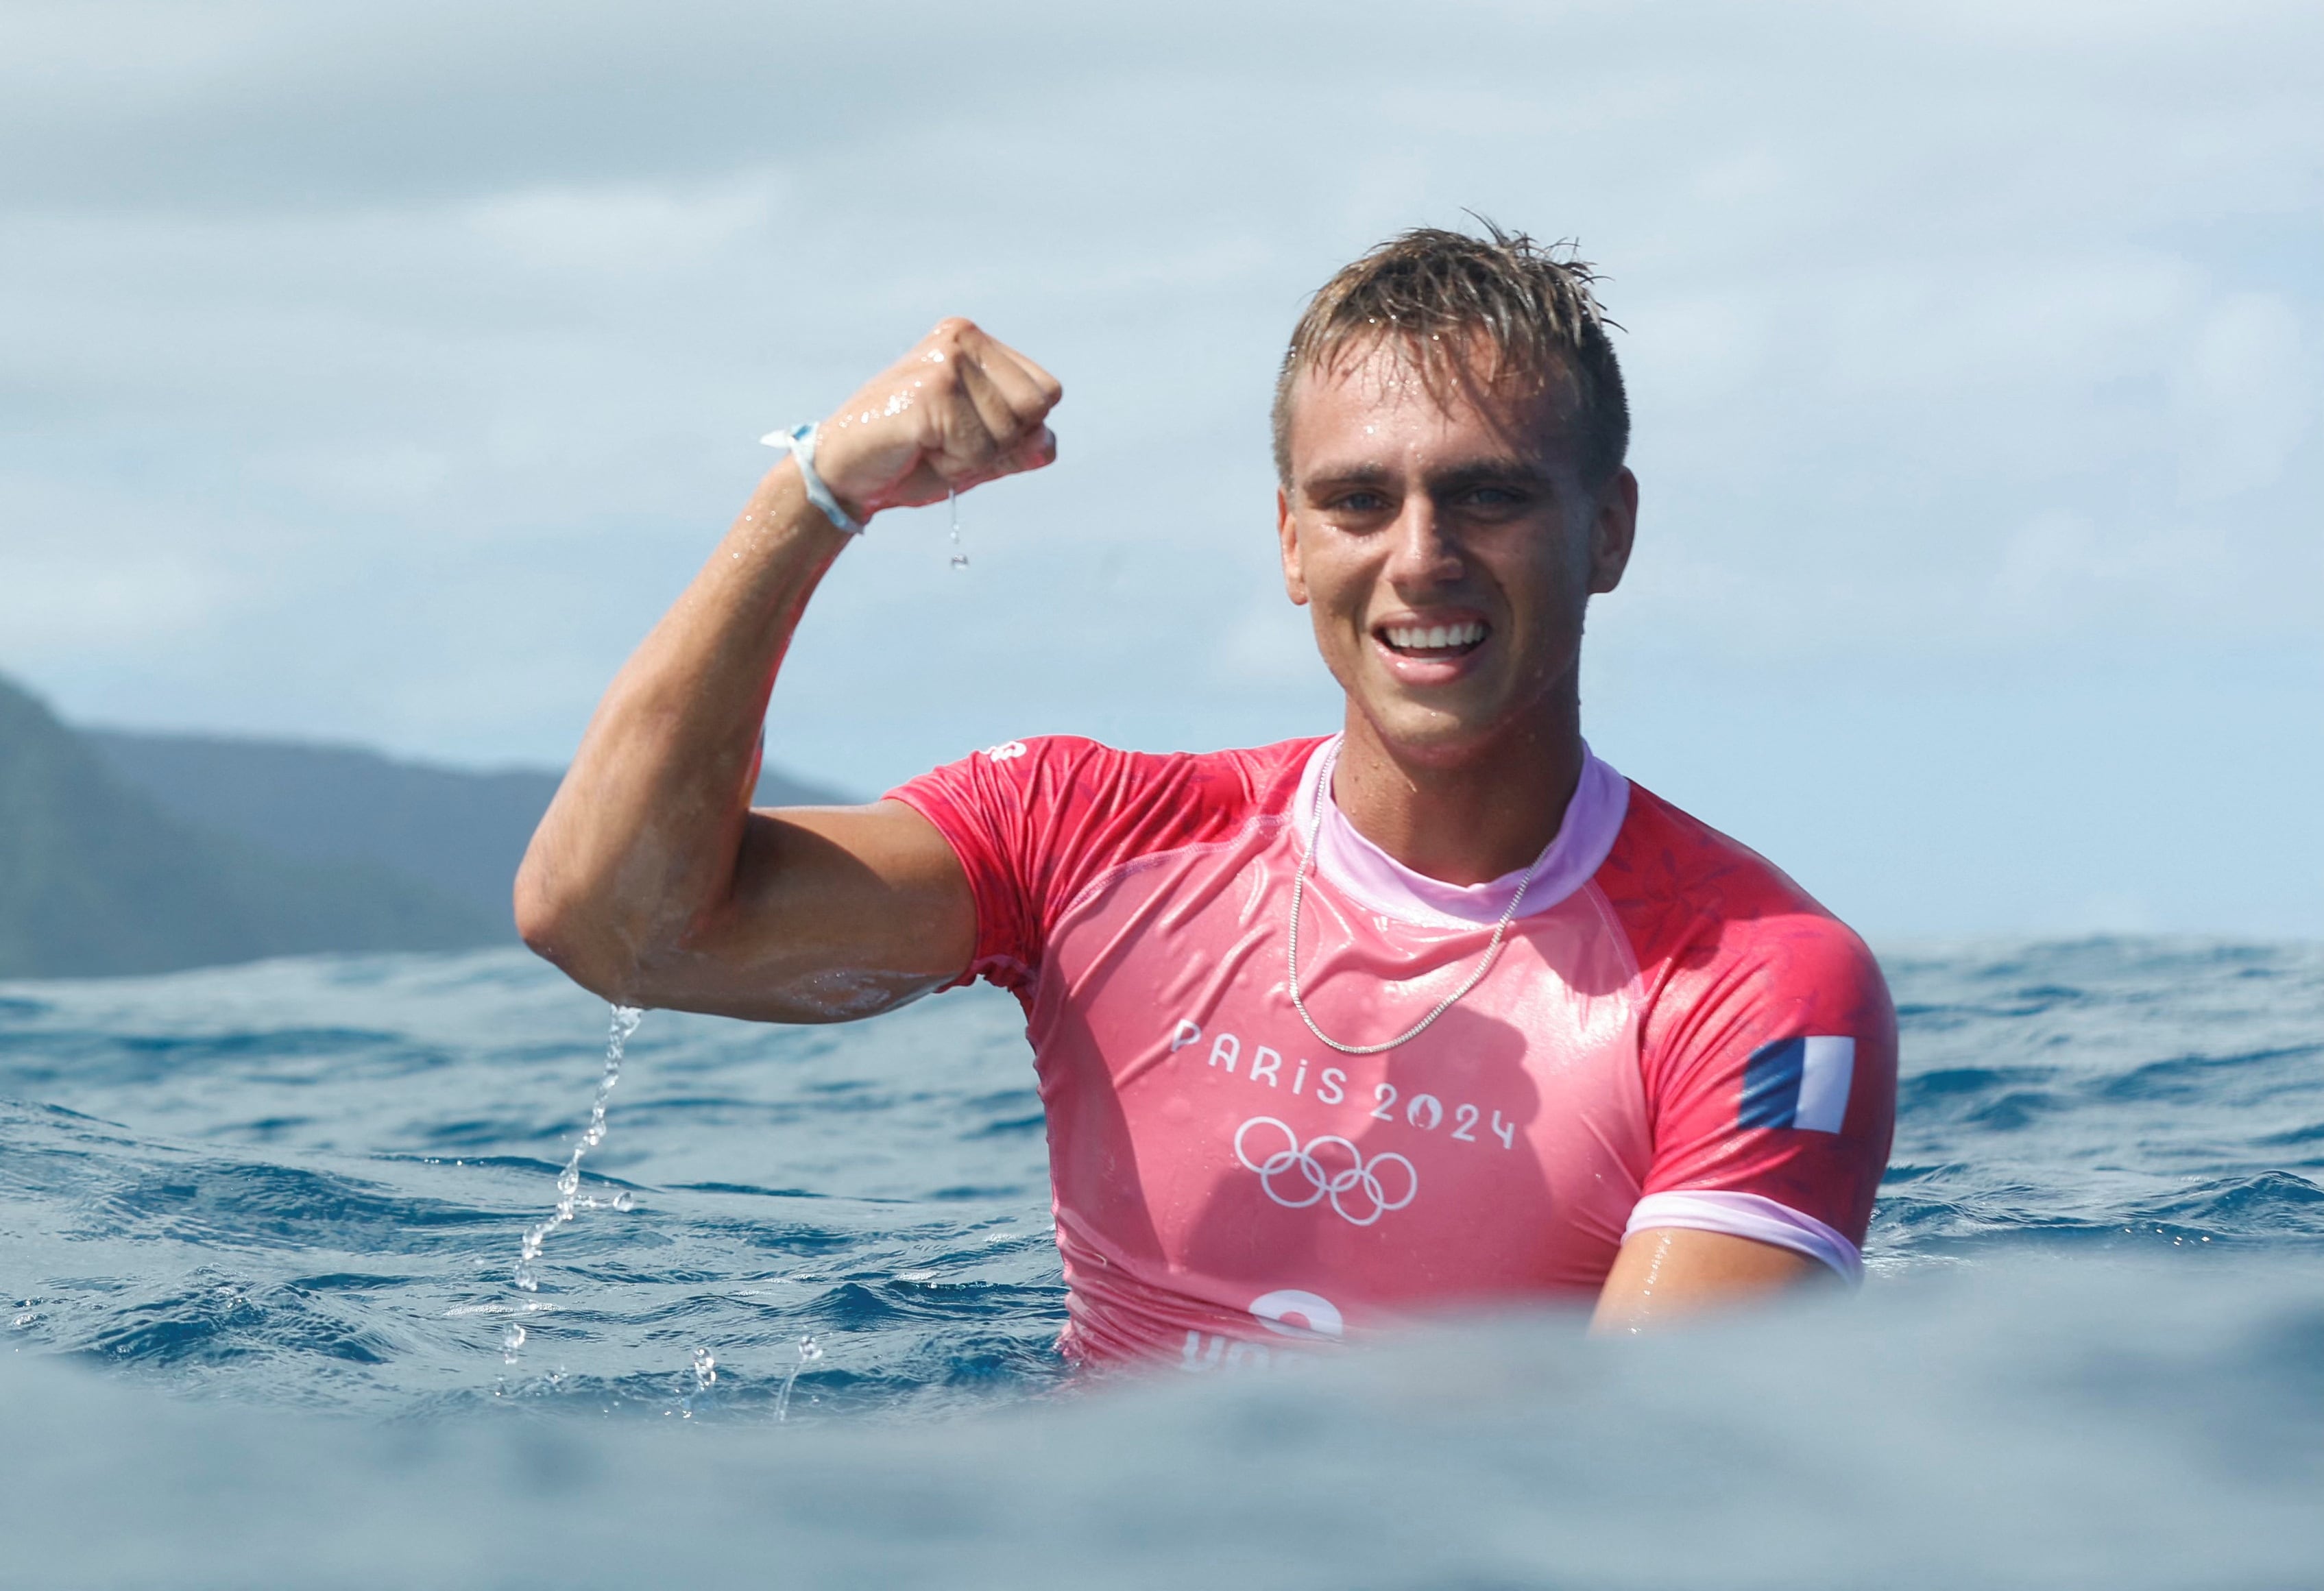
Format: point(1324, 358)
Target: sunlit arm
point(650, 880)
point(1667, 1273)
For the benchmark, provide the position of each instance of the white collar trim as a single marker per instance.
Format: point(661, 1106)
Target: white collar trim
point(1360, 868)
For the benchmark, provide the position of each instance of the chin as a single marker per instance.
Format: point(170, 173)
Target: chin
point(1432, 737)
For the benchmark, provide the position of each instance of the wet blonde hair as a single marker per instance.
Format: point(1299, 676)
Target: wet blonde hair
point(1436, 290)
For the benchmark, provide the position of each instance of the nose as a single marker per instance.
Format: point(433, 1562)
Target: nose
point(1421, 555)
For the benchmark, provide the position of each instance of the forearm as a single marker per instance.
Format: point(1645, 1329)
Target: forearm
point(646, 880)
point(639, 848)
point(1663, 1275)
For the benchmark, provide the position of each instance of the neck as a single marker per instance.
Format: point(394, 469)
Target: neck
point(1468, 820)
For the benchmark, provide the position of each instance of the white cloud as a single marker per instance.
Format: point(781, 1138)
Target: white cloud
point(2244, 396)
point(629, 229)
point(1268, 645)
point(1941, 329)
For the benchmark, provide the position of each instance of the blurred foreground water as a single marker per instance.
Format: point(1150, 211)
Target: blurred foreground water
point(291, 1196)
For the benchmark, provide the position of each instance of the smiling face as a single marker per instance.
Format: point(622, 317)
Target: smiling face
point(1446, 550)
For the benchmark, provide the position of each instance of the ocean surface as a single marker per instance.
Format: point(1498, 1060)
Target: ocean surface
point(258, 1228)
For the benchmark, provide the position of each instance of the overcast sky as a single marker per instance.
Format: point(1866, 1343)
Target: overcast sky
point(377, 372)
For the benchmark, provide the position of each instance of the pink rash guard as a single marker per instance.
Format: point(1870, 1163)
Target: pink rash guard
point(1674, 1035)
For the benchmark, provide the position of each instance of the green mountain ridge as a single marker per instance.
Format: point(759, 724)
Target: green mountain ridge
point(456, 831)
point(95, 878)
point(123, 851)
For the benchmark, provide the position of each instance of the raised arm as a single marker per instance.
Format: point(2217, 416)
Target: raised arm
point(650, 880)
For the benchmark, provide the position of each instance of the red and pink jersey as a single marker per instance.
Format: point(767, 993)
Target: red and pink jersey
point(1673, 1034)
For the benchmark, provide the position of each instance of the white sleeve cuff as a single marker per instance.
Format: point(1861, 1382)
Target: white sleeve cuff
point(1747, 1215)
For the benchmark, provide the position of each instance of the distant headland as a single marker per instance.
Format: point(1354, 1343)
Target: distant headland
point(125, 851)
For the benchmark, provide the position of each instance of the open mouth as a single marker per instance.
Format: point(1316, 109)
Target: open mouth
point(1433, 640)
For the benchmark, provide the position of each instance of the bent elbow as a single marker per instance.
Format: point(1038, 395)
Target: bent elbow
point(566, 934)
point(541, 918)
point(540, 924)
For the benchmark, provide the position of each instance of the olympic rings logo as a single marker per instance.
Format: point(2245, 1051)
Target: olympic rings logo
point(1296, 1176)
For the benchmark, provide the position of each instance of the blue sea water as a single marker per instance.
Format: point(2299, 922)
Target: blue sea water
point(261, 1225)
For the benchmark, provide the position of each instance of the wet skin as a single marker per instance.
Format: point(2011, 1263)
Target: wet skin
point(652, 883)
point(1447, 548)
point(1406, 514)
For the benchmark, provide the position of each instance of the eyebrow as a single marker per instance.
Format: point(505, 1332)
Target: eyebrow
point(1481, 473)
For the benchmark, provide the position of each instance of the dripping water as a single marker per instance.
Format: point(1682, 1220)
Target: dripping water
point(624, 1022)
point(959, 558)
point(705, 1369)
point(809, 1351)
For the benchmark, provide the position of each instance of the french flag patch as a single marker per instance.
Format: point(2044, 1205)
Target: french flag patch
point(1798, 1082)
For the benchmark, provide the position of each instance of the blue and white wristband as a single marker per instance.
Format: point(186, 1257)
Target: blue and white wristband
point(800, 440)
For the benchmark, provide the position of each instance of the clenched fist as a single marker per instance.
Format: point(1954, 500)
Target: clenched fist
point(961, 408)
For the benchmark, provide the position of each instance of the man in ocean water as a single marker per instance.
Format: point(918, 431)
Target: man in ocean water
point(1440, 1010)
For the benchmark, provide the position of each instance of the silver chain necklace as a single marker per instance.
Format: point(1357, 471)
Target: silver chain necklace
point(1298, 889)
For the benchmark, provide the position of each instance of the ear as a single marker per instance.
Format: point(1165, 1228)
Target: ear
point(1612, 531)
point(1287, 530)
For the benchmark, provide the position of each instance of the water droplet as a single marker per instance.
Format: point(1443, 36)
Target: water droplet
point(623, 1023)
point(705, 1376)
point(809, 1351)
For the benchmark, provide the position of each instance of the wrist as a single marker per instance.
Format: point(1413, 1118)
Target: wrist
point(840, 459)
point(800, 440)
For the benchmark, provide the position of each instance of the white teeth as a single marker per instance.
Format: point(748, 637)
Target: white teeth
point(1435, 637)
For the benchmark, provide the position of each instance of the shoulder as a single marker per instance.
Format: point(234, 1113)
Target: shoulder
point(1696, 903)
point(1767, 1038)
point(1088, 775)
point(1070, 806)
point(1245, 773)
